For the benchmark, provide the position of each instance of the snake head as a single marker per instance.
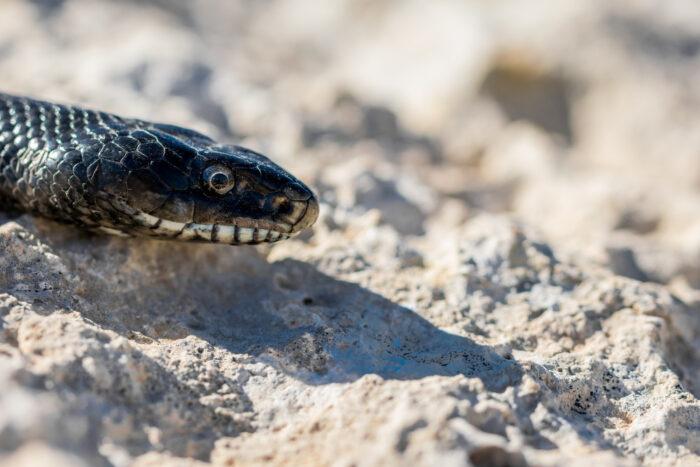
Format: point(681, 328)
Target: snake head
point(176, 183)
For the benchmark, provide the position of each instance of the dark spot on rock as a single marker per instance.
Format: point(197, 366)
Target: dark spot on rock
point(539, 97)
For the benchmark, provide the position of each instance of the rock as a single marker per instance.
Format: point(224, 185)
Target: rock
point(489, 283)
point(518, 354)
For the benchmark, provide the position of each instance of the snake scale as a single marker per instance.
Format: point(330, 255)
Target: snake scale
point(130, 177)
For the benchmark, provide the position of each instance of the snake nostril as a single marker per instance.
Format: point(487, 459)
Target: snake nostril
point(279, 204)
point(284, 206)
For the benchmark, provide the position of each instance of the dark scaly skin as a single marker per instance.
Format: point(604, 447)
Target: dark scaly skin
point(136, 178)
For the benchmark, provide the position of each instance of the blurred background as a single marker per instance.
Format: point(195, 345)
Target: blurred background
point(581, 118)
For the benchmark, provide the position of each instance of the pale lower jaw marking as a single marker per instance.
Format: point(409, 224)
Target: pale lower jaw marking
point(230, 234)
point(197, 231)
point(111, 231)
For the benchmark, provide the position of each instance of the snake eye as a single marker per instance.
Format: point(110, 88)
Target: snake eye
point(218, 178)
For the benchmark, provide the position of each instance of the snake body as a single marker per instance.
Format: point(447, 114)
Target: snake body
point(131, 177)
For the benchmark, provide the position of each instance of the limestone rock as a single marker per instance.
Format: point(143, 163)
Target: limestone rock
point(489, 283)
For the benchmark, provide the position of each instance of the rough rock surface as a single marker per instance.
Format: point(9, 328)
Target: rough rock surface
point(506, 270)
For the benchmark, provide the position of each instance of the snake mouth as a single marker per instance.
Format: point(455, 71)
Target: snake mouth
point(241, 231)
point(215, 233)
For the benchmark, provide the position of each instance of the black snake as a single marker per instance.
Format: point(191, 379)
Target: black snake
point(135, 178)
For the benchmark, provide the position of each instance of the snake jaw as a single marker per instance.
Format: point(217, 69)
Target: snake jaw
point(191, 231)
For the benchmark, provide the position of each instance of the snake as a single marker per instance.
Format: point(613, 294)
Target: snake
point(134, 178)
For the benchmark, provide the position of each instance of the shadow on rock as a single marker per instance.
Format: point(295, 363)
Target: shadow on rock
point(287, 314)
point(324, 330)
